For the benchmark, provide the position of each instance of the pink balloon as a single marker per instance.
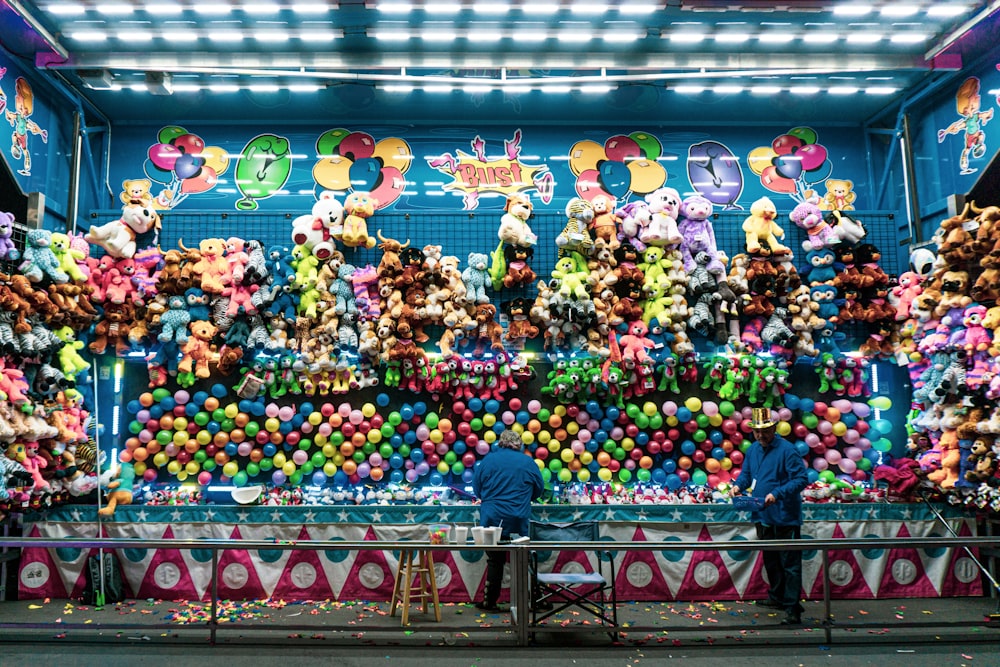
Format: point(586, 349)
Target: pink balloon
point(784, 414)
point(164, 156)
point(181, 397)
point(711, 409)
point(534, 407)
point(843, 405)
point(299, 456)
point(364, 470)
point(593, 426)
point(617, 433)
point(864, 444)
point(578, 447)
point(286, 413)
point(243, 449)
point(423, 432)
point(344, 410)
point(775, 182)
point(851, 437)
point(508, 417)
point(271, 410)
point(306, 427)
point(854, 453)
point(145, 435)
point(170, 449)
point(204, 478)
point(375, 459)
point(582, 418)
point(325, 429)
point(813, 156)
point(812, 440)
point(729, 427)
point(747, 412)
point(862, 410)
point(825, 427)
point(833, 456)
point(847, 465)
point(669, 408)
point(584, 436)
point(356, 417)
point(820, 464)
point(482, 448)
point(142, 416)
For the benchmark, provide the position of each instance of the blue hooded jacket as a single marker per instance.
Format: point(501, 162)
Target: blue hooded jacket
point(778, 470)
point(507, 481)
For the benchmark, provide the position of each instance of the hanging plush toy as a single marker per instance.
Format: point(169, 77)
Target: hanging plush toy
point(575, 235)
point(606, 221)
point(664, 205)
point(70, 361)
point(118, 482)
point(696, 227)
point(635, 217)
point(514, 227)
point(39, 260)
point(762, 231)
point(118, 236)
point(359, 206)
point(809, 217)
point(7, 248)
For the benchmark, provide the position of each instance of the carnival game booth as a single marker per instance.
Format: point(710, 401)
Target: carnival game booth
point(336, 320)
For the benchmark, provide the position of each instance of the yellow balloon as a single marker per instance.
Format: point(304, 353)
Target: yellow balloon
point(572, 428)
point(203, 437)
point(527, 437)
point(329, 451)
point(604, 475)
point(329, 469)
point(647, 176)
point(490, 436)
point(583, 475)
point(338, 459)
point(192, 467)
point(649, 408)
point(553, 446)
point(174, 467)
point(230, 469)
point(160, 459)
point(315, 418)
point(839, 429)
point(321, 440)
point(181, 424)
point(139, 468)
point(333, 173)
point(716, 420)
point(278, 459)
point(544, 437)
point(436, 436)
point(628, 444)
point(586, 458)
point(180, 438)
point(394, 153)
point(671, 421)
point(760, 159)
point(517, 428)
point(567, 455)
point(585, 155)
point(216, 158)
point(288, 468)
point(489, 420)
point(232, 410)
point(271, 425)
point(784, 428)
point(560, 410)
point(693, 404)
point(374, 436)
point(443, 467)
point(182, 475)
point(368, 410)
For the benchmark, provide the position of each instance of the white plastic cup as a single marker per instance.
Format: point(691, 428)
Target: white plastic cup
point(461, 534)
point(492, 535)
point(478, 534)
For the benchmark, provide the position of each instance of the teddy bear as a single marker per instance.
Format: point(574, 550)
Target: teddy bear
point(113, 328)
point(476, 277)
point(7, 248)
point(212, 267)
point(318, 230)
point(575, 234)
point(197, 352)
point(664, 208)
point(118, 236)
point(908, 288)
point(634, 343)
point(699, 236)
point(358, 207)
point(987, 285)
point(606, 221)
point(39, 259)
point(519, 272)
point(808, 216)
point(762, 230)
point(487, 331)
point(571, 278)
point(514, 229)
point(954, 294)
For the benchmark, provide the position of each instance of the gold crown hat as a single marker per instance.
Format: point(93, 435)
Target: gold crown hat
point(762, 418)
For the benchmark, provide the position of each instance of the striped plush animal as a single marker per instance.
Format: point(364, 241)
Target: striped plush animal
point(10, 469)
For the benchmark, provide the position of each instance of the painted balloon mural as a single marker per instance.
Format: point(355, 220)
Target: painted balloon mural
point(355, 161)
point(625, 164)
point(792, 164)
point(183, 163)
point(714, 172)
point(262, 170)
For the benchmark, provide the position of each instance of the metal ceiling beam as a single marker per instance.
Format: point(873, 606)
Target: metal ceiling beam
point(961, 30)
point(297, 63)
point(39, 29)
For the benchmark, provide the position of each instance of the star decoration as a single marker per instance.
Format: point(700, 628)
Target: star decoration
point(410, 517)
point(75, 515)
point(377, 517)
point(276, 516)
point(140, 516)
point(577, 515)
point(343, 516)
point(209, 514)
point(243, 516)
point(807, 515)
point(609, 514)
point(175, 515)
point(677, 516)
point(309, 517)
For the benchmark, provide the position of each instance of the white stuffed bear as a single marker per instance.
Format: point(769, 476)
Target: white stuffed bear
point(318, 230)
point(118, 236)
point(665, 206)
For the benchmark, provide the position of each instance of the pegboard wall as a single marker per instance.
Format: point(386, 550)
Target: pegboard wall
point(460, 233)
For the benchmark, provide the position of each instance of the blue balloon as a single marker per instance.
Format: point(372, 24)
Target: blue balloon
point(396, 477)
point(459, 447)
point(341, 478)
point(244, 405)
point(812, 475)
point(298, 420)
point(716, 436)
point(156, 411)
point(133, 406)
point(285, 428)
point(850, 419)
point(718, 453)
point(319, 478)
point(593, 466)
point(213, 427)
point(688, 447)
point(270, 449)
point(601, 436)
point(416, 455)
point(801, 447)
point(659, 476)
point(258, 409)
point(191, 409)
point(492, 406)
point(467, 476)
point(168, 403)
point(474, 404)
point(396, 440)
point(364, 174)
point(199, 398)
point(406, 412)
point(435, 479)
point(683, 414)
point(806, 404)
point(612, 414)
point(419, 408)
point(791, 401)
point(669, 466)
point(607, 424)
point(641, 438)
point(231, 448)
point(674, 482)
point(410, 437)
point(593, 445)
point(219, 390)
point(523, 417)
point(382, 400)
point(304, 409)
point(715, 173)
point(615, 178)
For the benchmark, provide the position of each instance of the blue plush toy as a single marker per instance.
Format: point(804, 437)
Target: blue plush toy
point(821, 267)
point(826, 297)
point(175, 321)
point(279, 265)
point(39, 260)
point(285, 303)
point(198, 304)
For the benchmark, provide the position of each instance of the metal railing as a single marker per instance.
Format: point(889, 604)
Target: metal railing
point(521, 631)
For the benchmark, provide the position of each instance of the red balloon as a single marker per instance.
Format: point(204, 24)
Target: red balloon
point(163, 156)
point(204, 180)
point(621, 148)
point(736, 456)
point(189, 144)
point(389, 186)
point(631, 430)
point(659, 436)
point(636, 453)
point(698, 456)
point(588, 186)
point(684, 475)
point(653, 448)
point(799, 430)
point(357, 145)
point(773, 181)
point(820, 408)
point(786, 144)
point(673, 434)
point(667, 447)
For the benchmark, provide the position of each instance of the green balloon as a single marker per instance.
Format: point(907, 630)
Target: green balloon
point(619, 454)
point(431, 420)
point(160, 393)
point(200, 456)
point(305, 444)
point(726, 408)
point(209, 465)
point(329, 141)
point(543, 415)
point(450, 458)
point(610, 445)
point(702, 420)
point(699, 436)
point(368, 448)
point(253, 469)
point(240, 479)
point(336, 438)
point(699, 477)
point(134, 427)
point(394, 418)
point(266, 464)
point(865, 464)
point(555, 465)
point(809, 420)
point(385, 450)
point(169, 133)
point(656, 421)
point(359, 456)
point(806, 134)
point(387, 431)
point(624, 475)
point(642, 421)
point(296, 478)
point(227, 425)
point(632, 410)
point(307, 468)
point(643, 475)
point(476, 424)
point(882, 445)
point(202, 418)
point(318, 459)
point(164, 437)
point(263, 169)
point(219, 415)
point(649, 144)
point(457, 468)
point(404, 450)
point(546, 475)
point(251, 429)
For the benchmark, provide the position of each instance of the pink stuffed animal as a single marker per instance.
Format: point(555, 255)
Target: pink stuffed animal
point(635, 343)
point(809, 217)
point(27, 455)
point(908, 289)
point(237, 259)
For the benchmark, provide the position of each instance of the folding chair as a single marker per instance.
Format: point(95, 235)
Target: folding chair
point(593, 591)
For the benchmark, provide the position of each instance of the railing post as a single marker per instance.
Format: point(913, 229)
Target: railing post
point(827, 615)
point(213, 618)
point(520, 593)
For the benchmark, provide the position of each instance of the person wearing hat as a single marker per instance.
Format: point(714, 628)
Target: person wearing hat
point(506, 481)
point(774, 470)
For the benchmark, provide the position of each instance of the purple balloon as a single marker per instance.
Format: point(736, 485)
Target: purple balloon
point(278, 478)
point(715, 173)
point(187, 166)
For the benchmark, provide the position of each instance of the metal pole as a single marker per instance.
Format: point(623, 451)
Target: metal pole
point(213, 618)
point(827, 616)
point(74, 176)
point(97, 447)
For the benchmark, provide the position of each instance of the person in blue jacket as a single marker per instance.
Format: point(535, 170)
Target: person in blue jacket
point(774, 470)
point(506, 481)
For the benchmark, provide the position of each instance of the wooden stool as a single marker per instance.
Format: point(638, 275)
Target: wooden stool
point(417, 563)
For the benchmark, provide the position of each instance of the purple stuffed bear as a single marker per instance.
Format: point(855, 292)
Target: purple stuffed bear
point(698, 234)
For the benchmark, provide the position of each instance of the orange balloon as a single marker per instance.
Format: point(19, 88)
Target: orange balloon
point(242, 419)
point(444, 425)
point(712, 465)
point(603, 459)
point(376, 473)
point(684, 463)
point(349, 467)
point(237, 435)
point(335, 420)
point(277, 438)
point(139, 454)
point(191, 446)
point(211, 404)
point(221, 439)
point(221, 458)
point(256, 455)
point(132, 443)
point(347, 449)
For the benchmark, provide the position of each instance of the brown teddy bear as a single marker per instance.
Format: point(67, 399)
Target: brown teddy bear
point(488, 330)
point(985, 288)
point(954, 292)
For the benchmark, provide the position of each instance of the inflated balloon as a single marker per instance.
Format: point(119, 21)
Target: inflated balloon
point(715, 173)
point(263, 168)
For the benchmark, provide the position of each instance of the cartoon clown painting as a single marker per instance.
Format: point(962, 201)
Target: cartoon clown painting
point(970, 123)
point(20, 119)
